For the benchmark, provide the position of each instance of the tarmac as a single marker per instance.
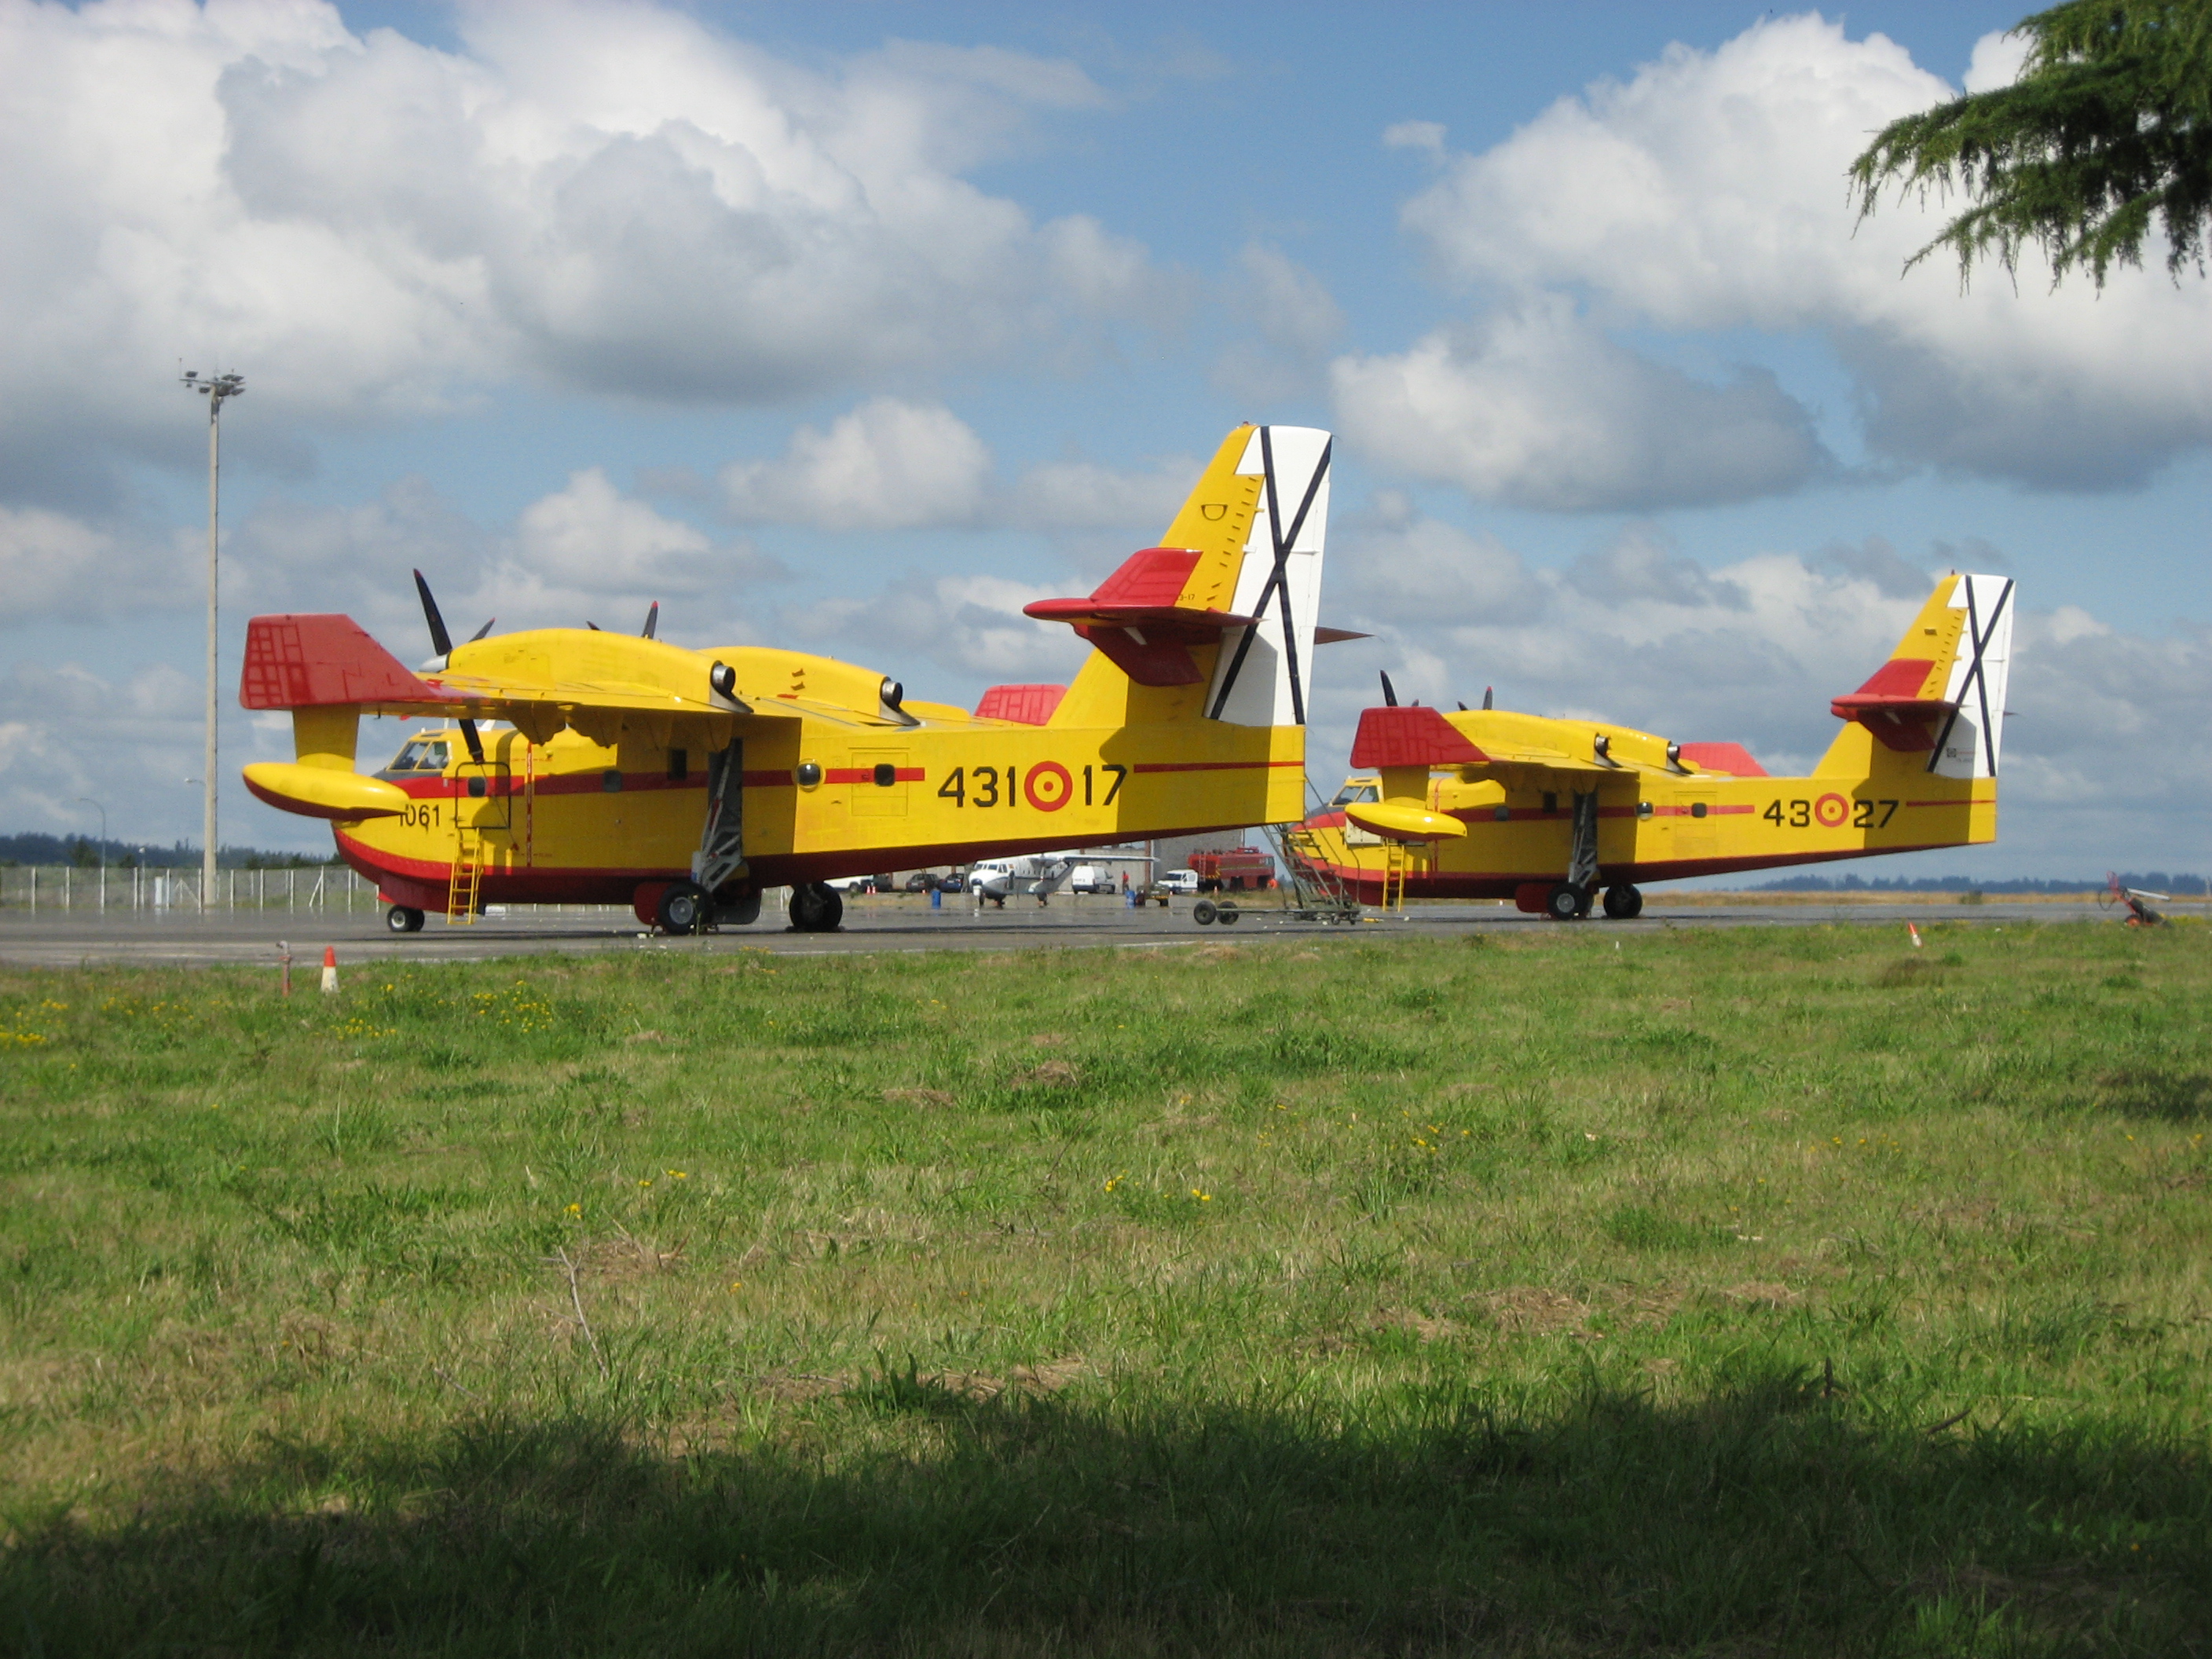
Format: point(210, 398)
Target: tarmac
point(72, 938)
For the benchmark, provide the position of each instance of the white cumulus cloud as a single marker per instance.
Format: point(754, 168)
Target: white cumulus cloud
point(1533, 406)
point(608, 197)
point(1707, 192)
point(885, 466)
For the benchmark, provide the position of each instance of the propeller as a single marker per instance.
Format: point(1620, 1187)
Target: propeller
point(1389, 691)
point(652, 628)
point(442, 643)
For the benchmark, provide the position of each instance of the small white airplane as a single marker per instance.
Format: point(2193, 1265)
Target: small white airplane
point(1041, 874)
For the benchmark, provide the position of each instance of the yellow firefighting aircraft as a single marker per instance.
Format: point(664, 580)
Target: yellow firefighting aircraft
point(1487, 803)
point(685, 782)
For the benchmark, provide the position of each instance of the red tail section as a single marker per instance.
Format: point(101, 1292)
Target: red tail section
point(1133, 618)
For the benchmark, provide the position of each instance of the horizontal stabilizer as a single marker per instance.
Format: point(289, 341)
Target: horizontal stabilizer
point(1412, 737)
point(1138, 619)
point(324, 661)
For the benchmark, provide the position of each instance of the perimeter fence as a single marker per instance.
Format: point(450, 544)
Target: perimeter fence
point(38, 887)
point(328, 889)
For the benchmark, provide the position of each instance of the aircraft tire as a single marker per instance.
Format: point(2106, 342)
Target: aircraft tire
point(1226, 915)
point(684, 908)
point(742, 911)
point(403, 919)
point(816, 908)
point(1566, 903)
point(1203, 913)
point(1623, 903)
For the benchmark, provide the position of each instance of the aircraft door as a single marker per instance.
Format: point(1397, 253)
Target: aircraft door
point(483, 798)
point(1696, 829)
point(880, 777)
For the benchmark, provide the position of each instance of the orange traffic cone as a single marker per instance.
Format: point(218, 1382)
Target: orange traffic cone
point(329, 970)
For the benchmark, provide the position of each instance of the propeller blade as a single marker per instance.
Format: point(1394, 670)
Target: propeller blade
point(1389, 692)
point(652, 622)
point(1486, 696)
point(441, 641)
point(474, 743)
point(485, 629)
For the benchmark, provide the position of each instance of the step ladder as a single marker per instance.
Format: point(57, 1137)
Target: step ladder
point(466, 880)
point(1315, 891)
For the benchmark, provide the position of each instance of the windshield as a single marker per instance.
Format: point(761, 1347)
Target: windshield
point(423, 755)
point(1360, 790)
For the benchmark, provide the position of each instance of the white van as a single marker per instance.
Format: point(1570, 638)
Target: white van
point(1179, 881)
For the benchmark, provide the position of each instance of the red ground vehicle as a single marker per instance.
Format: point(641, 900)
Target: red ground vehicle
point(1237, 869)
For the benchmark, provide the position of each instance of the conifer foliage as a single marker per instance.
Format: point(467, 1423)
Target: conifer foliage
point(2107, 131)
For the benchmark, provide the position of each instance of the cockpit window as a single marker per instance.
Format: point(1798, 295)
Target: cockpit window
point(423, 755)
point(1361, 791)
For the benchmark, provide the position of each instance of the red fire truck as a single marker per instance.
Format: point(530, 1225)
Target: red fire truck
point(1236, 869)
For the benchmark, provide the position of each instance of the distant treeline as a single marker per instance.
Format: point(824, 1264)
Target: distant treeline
point(2157, 880)
point(88, 852)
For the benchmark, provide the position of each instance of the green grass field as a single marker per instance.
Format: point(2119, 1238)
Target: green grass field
point(1731, 1292)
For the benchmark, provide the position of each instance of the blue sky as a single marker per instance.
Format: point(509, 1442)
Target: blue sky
point(857, 326)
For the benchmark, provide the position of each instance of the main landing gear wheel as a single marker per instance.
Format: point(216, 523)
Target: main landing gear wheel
point(1623, 903)
point(1204, 912)
point(744, 910)
point(403, 919)
point(684, 908)
point(816, 908)
point(1566, 903)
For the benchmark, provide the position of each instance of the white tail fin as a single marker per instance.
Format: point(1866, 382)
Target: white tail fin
point(1967, 741)
point(1264, 672)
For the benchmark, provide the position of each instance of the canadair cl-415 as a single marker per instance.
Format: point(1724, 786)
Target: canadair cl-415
point(686, 782)
point(1488, 804)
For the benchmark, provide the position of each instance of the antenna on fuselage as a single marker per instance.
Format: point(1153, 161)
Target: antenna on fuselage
point(652, 628)
point(1486, 696)
point(1389, 691)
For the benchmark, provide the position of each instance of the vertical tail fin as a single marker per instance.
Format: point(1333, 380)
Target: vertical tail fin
point(1942, 693)
point(1225, 603)
point(1264, 671)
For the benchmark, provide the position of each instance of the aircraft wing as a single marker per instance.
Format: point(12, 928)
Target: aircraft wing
point(1418, 736)
point(328, 661)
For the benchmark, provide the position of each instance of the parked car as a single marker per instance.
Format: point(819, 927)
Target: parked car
point(922, 881)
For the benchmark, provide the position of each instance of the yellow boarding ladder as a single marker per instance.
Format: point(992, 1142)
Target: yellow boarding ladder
point(1397, 859)
point(461, 889)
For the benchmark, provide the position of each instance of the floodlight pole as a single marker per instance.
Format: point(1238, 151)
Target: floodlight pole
point(214, 388)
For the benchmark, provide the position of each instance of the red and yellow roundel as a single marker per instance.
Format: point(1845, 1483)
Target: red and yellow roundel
point(1831, 810)
point(1047, 786)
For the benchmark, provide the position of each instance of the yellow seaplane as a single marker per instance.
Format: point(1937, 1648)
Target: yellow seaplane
point(1489, 803)
point(686, 783)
